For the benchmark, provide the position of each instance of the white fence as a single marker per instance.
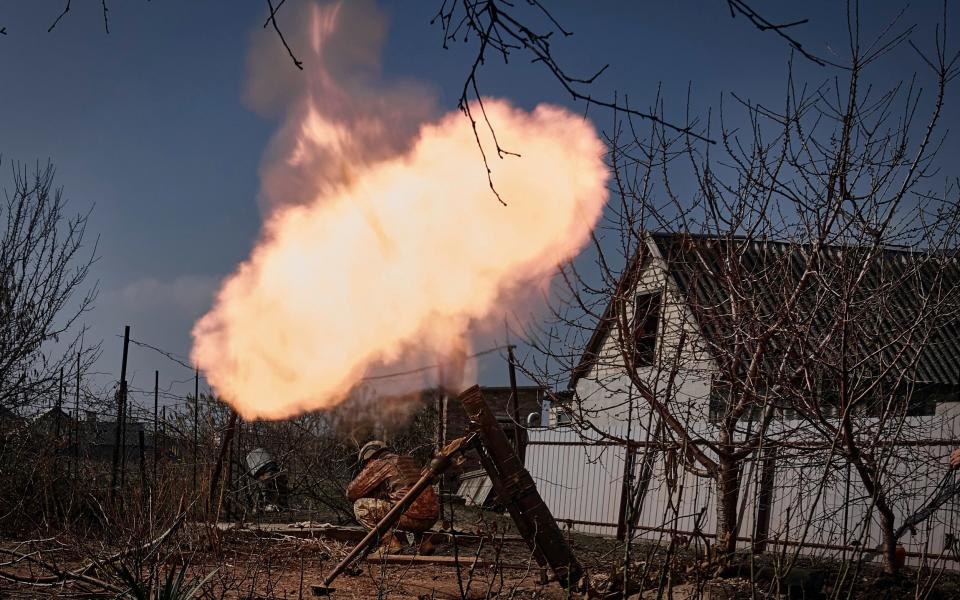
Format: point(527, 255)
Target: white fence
point(816, 502)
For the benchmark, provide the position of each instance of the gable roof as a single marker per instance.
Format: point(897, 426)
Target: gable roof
point(627, 282)
point(697, 265)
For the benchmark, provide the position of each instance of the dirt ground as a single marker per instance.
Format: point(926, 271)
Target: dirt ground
point(272, 562)
point(495, 567)
point(252, 567)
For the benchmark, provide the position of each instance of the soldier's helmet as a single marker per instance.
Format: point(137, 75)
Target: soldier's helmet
point(371, 449)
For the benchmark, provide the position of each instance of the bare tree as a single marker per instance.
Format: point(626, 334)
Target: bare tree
point(794, 284)
point(502, 30)
point(44, 265)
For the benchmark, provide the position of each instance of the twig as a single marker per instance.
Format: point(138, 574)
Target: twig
point(66, 9)
point(267, 22)
point(758, 21)
point(273, 19)
point(106, 22)
point(60, 575)
point(81, 574)
point(147, 546)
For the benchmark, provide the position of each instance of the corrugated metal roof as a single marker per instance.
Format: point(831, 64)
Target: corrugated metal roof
point(887, 291)
point(896, 287)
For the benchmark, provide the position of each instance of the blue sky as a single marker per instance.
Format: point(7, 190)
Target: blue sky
point(148, 124)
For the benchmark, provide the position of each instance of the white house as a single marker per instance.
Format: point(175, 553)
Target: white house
point(672, 318)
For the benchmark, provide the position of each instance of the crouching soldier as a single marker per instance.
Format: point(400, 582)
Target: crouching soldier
point(383, 481)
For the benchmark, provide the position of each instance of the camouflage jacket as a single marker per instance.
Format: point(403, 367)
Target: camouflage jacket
point(389, 477)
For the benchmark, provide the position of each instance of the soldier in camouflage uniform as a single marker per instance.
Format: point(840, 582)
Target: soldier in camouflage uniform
point(384, 480)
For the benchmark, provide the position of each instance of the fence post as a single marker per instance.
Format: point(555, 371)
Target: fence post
point(514, 402)
point(121, 401)
point(625, 487)
point(156, 438)
point(196, 421)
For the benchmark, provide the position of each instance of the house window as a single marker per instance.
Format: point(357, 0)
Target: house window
point(646, 317)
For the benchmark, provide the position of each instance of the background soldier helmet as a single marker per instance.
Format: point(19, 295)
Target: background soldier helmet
point(370, 449)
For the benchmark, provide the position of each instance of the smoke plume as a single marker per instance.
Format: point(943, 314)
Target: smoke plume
point(382, 239)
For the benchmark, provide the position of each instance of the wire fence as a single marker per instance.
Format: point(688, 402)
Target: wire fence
point(126, 436)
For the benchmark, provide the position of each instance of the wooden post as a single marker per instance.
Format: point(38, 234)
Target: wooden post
point(156, 438)
point(514, 402)
point(116, 451)
point(122, 425)
point(126, 407)
point(196, 423)
point(623, 518)
point(120, 410)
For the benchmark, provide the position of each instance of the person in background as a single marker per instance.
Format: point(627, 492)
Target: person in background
point(384, 479)
point(271, 493)
point(955, 458)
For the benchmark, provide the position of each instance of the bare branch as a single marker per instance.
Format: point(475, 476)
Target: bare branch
point(273, 20)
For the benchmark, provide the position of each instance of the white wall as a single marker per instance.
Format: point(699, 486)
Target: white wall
point(681, 374)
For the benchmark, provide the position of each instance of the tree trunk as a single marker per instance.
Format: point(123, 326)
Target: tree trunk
point(890, 563)
point(761, 527)
point(887, 530)
point(728, 493)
